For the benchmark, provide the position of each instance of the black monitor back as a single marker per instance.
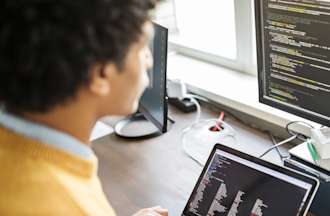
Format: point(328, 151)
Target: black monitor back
point(153, 104)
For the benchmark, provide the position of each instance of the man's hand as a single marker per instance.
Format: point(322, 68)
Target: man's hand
point(154, 211)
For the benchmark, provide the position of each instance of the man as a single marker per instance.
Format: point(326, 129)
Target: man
point(63, 65)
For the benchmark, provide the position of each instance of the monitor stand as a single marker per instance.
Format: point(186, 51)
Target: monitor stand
point(136, 126)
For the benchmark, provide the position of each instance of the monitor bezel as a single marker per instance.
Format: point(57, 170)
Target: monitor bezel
point(162, 126)
point(261, 72)
point(290, 172)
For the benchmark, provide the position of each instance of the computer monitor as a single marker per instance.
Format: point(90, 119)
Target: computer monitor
point(153, 104)
point(152, 116)
point(293, 56)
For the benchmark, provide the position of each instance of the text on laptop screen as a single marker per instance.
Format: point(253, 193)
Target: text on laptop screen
point(233, 186)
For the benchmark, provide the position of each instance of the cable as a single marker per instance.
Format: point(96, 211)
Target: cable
point(274, 143)
point(207, 142)
point(278, 144)
point(228, 112)
point(300, 136)
point(198, 97)
point(193, 158)
point(282, 157)
point(198, 106)
point(177, 89)
point(170, 119)
point(198, 140)
point(294, 135)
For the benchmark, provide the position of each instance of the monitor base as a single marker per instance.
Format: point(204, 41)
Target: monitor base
point(136, 126)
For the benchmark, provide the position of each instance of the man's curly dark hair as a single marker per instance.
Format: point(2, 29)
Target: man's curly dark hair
point(47, 47)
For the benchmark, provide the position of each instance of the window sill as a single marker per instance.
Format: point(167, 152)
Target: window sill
point(231, 88)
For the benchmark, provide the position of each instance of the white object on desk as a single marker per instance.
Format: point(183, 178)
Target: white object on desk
point(198, 141)
point(321, 141)
point(301, 151)
point(100, 130)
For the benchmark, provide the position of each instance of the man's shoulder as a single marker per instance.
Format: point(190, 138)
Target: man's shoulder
point(29, 187)
point(37, 180)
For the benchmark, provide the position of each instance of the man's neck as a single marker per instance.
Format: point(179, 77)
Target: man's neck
point(76, 120)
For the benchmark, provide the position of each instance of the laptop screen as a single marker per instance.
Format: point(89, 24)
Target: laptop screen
point(233, 186)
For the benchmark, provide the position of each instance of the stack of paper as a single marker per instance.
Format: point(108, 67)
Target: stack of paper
point(302, 151)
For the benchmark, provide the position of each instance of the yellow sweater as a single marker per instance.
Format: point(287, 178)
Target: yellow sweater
point(36, 180)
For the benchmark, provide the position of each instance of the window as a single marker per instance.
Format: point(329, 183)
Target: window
point(217, 31)
point(209, 27)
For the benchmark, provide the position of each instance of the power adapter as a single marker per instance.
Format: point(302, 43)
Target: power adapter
point(178, 96)
point(185, 105)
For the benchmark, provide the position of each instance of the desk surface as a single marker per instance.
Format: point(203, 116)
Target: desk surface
point(142, 173)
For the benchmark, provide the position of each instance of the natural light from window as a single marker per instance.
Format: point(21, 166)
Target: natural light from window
point(207, 25)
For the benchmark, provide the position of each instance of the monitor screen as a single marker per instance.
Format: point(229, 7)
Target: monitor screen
point(294, 56)
point(153, 104)
point(232, 185)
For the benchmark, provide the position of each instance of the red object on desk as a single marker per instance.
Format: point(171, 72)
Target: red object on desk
point(218, 127)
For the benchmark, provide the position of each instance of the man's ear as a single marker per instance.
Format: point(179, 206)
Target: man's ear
point(100, 79)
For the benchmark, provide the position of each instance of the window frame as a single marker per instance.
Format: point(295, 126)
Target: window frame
point(245, 42)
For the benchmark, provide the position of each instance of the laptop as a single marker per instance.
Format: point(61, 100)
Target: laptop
point(233, 183)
